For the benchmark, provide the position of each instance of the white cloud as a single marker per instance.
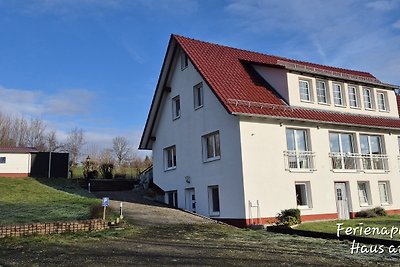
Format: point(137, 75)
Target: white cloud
point(383, 5)
point(396, 25)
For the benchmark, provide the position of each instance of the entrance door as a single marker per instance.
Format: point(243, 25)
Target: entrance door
point(190, 200)
point(342, 201)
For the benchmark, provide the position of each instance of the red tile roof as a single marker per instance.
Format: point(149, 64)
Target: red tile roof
point(228, 74)
point(18, 150)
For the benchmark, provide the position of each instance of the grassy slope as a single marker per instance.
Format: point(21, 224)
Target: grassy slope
point(28, 200)
point(331, 227)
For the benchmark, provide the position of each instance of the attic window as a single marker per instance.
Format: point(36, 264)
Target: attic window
point(2, 160)
point(184, 61)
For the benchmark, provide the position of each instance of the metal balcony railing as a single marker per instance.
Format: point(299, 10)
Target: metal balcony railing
point(356, 161)
point(299, 160)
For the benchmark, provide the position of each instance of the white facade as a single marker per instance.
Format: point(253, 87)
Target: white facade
point(15, 164)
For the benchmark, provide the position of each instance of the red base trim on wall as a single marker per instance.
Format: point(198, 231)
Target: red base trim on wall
point(14, 174)
point(389, 212)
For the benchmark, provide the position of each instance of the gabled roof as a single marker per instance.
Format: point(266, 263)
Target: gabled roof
point(18, 150)
point(230, 75)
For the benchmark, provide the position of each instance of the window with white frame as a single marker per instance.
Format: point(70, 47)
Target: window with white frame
point(353, 96)
point(170, 158)
point(172, 198)
point(373, 152)
point(184, 61)
point(211, 147)
point(176, 107)
point(305, 90)
point(198, 95)
point(338, 94)
point(382, 101)
point(368, 99)
point(364, 194)
point(384, 192)
point(2, 160)
point(213, 200)
point(342, 151)
point(299, 155)
point(322, 92)
point(303, 194)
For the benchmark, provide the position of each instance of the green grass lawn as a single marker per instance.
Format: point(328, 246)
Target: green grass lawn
point(331, 226)
point(27, 200)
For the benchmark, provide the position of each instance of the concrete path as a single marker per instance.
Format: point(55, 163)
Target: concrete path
point(144, 212)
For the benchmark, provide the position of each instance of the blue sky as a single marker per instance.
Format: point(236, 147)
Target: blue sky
point(95, 63)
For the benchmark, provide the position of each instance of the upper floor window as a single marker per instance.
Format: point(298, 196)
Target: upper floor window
point(211, 147)
point(184, 61)
point(2, 160)
point(176, 107)
point(342, 149)
point(382, 103)
point(305, 91)
point(353, 96)
point(368, 99)
point(338, 94)
point(322, 92)
point(372, 152)
point(198, 95)
point(170, 158)
point(298, 155)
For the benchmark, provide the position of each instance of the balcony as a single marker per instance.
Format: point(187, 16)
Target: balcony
point(299, 160)
point(359, 162)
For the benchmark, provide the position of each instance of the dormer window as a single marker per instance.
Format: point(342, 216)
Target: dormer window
point(382, 105)
point(305, 92)
point(322, 92)
point(338, 94)
point(367, 95)
point(353, 96)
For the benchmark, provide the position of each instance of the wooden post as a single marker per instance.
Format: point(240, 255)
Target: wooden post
point(104, 213)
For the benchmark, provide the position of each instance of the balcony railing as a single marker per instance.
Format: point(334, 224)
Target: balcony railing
point(356, 161)
point(299, 160)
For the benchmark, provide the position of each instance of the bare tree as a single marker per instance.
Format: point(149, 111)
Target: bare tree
point(75, 141)
point(106, 156)
point(52, 143)
point(121, 149)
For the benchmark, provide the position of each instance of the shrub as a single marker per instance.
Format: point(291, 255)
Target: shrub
point(366, 214)
point(96, 211)
point(380, 211)
point(288, 217)
point(106, 170)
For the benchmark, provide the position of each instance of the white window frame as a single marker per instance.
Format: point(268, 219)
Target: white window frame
point(3, 160)
point(176, 109)
point(341, 95)
point(386, 199)
point(368, 103)
point(198, 96)
point(325, 89)
point(308, 88)
point(211, 210)
point(184, 60)
point(216, 152)
point(356, 99)
point(382, 96)
point(364, 197)
point(170, 152)
point(174, 194)
point(307, 191)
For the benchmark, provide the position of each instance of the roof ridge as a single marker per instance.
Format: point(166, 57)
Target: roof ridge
point(270, 55)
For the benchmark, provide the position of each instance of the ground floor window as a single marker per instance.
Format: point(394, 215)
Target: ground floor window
point(213, 200)
point(172, 198)
point(384, 192)
point(303, 194)
point(364, 193)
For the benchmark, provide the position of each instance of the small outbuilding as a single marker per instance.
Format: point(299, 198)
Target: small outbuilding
point(16, 161)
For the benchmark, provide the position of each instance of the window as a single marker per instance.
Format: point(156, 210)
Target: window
point(172, 198)
point(322, 92)
point(2, 160)
point(342, 149)
point(176, 107)
point(198, 95)
point(211, 147)
point(353, 96)
point(338, 95)
point(184, 61)
point(170, 158)
point(372, 151)
point(305, 94)
point(368, 101)
point(364, 193)
point(299, 155)
point(384, 192)
point(303, 195)
point(213, 201)
point(382, 106)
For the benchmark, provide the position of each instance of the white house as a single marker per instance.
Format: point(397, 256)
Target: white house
point(239, 136)
point(16, 161)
